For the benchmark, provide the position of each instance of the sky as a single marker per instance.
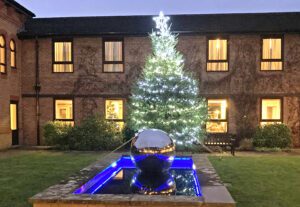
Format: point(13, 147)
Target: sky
point(63, 8)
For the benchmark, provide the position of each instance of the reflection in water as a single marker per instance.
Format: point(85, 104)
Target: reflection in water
point(183, 179)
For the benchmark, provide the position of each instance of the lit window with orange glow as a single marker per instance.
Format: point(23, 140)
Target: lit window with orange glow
point(217, 57)
point(217, 116)
point(2, 55)
point(113, 56)
point(114, 111)
point(12, 46)
point(13, 117)
point(271, 111)
point(62, 57)
point(64, 111)
point(271, 54)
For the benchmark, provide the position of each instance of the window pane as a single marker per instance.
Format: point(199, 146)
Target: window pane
point(114, 109)
point(217, 109)
point(220, 66)
point(271, 48)
point(273, 65)
point(63, 68)
point(2, 55)
point(216, 127)
point(2, 68)
point(2, 41)
point(113, 51)
point(12, 45)
point(71, 123)
point(12, 59)
point(217, 49)
point(271, 109)
point(264, 123)
point(113, 67)
point(63, 109)
point(13, 117)
point(63, 51)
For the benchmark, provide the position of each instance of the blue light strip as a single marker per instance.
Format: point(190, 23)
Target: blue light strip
point(125, 162)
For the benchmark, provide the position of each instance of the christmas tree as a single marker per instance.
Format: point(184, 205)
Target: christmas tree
point(166, 97)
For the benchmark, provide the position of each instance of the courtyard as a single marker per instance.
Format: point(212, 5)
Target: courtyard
point(270, 179)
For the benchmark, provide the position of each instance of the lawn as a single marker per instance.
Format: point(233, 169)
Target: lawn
point(262, 181)
point(25, 173)
point(253, 180)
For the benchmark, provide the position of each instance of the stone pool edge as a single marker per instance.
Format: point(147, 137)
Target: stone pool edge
point(214, 192)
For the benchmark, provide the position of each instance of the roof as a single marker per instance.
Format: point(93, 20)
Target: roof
point(182, 24)
point(19, 7)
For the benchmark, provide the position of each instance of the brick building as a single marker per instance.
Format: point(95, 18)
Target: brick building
point(68, 68)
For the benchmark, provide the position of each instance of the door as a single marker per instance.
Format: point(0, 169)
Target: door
point(14, 122)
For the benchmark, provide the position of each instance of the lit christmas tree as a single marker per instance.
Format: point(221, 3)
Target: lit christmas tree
point(166, 97)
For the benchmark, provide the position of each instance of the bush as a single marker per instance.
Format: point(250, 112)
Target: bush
point(273, 136)
point(56, 134)
point(246, 145)
point(92, 134)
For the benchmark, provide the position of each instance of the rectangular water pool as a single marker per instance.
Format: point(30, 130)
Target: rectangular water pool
point(117, 177)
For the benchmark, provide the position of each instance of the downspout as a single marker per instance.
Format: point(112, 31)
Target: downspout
point(37, 88)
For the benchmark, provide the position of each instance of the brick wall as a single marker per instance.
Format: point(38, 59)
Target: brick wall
point(243, 85)
point(10, 83)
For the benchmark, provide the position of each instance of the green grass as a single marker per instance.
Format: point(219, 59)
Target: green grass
point(254, 181)
point(25, 173)
point(262, 181)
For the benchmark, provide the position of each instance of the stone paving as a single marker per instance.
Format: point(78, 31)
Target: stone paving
point(214, 192)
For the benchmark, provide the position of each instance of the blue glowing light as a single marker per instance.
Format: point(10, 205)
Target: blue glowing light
point(126, 162)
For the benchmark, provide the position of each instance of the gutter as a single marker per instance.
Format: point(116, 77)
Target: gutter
point(37, 88)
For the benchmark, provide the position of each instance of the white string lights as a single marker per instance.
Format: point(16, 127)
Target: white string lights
point(166, 97)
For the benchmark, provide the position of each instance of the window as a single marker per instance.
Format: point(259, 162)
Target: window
point(12, 46)
point(64, 111)
point(2, 55)
point(217, 57)
point(217, 115)
point(271, 54)
point(114, 111)
point(271, 111)
point(113, 56)
point(63, 57)
point(13, 116)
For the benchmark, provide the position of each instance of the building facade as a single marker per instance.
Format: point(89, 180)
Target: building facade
point(70, 68)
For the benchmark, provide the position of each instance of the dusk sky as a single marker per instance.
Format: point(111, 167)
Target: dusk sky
point(55, 8)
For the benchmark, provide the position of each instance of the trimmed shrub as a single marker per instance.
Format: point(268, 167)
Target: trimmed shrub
point(246, 145)
point(56, 134)
point(273, 136)
point(92, 134)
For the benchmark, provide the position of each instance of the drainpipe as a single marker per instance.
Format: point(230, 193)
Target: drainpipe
point(37, 88)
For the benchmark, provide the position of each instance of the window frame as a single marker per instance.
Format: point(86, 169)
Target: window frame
point(5, 56)
point(13, 51)
point(272, 36)
point(281, 110)
point(54, 109)
point(218, 120)
point(104, 62)
point(123, 114)
point(54, 40)
point(217, 61)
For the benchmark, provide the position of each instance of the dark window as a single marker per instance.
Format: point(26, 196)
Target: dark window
point(271, 57)
point(13, 60)
point(63, 57)
point(113, 60)
point(2, 54)
point(217, 55)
